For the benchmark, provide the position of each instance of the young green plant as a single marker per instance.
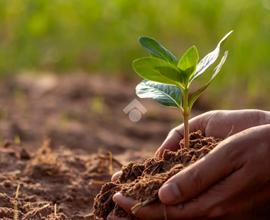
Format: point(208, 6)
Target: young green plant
point(168, 79)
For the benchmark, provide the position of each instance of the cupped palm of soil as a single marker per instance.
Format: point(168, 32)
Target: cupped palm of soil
point(141, 181)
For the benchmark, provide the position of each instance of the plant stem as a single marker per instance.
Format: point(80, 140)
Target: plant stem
point(186, 111)
point(186, 131)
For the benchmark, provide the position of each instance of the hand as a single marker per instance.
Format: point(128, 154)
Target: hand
point(221, 124)
point(233, 178)
point(215, 123)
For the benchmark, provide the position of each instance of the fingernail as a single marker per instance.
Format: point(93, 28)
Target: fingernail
point(116, 196)
point(169, 193)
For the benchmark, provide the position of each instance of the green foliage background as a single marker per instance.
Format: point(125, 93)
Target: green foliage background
point(101, 36)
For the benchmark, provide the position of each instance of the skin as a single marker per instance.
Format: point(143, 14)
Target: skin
point(228, 183)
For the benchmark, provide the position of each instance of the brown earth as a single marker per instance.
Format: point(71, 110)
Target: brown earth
point(50, 185)
point(83, 118)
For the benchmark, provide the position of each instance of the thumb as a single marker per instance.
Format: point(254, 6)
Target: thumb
point(172, 141)
point(199, 176)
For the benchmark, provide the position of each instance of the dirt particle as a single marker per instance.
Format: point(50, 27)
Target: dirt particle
point(24, 155)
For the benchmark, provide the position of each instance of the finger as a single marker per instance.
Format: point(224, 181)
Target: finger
point(209, 204)
point(171, 142)
point(142, 213)
point(233, 122)
point(112, 216)
point(124, 202)
point(199, 176)
point(174, 137)
point(116, 175)
point(160, 210)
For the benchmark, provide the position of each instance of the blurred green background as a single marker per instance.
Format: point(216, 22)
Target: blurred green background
point(100, 36)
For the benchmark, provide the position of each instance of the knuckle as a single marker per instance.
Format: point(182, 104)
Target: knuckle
point(207, 118)
point(212, 112)
point(175, 132)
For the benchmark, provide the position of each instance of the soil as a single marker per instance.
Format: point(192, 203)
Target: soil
point(141, 181)
point(50, 185)
point(57, 138)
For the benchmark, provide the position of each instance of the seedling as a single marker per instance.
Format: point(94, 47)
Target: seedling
point(168, 79)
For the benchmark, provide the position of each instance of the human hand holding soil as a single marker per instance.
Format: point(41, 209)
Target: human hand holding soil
point(234, 177)
point(220, 124)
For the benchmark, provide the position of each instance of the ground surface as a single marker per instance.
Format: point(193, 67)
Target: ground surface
point(56, 137)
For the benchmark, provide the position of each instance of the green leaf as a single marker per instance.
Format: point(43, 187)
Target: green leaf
point(198, 93)
point(156, 49)
point(172, 73)
point(150, 68)
point(189, 59)
point(167, 95)
point(209, 59)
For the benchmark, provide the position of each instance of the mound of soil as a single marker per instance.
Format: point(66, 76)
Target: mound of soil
point(141, 181)
point(49, 184)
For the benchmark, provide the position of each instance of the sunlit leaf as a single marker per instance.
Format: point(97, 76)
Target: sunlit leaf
point(167, 95)
point(209, 59)
point(156, 49)
point(155, 69)
point(189, 60)
point(173, 73)
point(217, 69)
